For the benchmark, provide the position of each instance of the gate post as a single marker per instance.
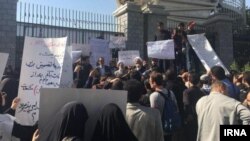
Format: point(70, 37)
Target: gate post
point(130, 22)
point(220, 26)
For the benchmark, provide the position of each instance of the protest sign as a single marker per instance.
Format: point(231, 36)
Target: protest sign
point(99, 48)
point(52, 100)
point(84, 48)
point(41, 68)
point(66, 80)
point(205, 52)
point(3, 62)
point(161, 49)
point(128, 57)
point(117, 42)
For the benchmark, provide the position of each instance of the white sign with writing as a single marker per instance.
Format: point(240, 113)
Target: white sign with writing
point(117, 42)
point(84, 48)
point(205, 52)
point(41, 68)
point(99, 48)
point(52, 100)
point(66, 80)
point(128, 57)
point(161, 49)
point(3, 61)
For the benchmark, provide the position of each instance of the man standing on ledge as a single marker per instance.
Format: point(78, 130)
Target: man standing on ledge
point(162, 34)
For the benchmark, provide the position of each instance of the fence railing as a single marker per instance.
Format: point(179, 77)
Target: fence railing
point(43, 21)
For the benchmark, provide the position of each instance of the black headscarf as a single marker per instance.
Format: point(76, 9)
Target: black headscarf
point(111, 126)
point(68, 122)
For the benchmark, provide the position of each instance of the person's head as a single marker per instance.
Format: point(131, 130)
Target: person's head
point(219, 87)
point(69, 121)
point(181, 26)
point(134, 89)
point(117, 85)
point(154, 62)
point(155, 79)
point(101, 61)
point(134, 74)
point(170, 75)
point(217, 73)
point(120, 65)
point(194, 79)
point(160, 25)
point(112, 126)
point(246, 78)
point(205, 79)
point(138, 62)
point(84, 60)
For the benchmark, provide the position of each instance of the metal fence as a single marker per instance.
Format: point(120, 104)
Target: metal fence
point(43, 21)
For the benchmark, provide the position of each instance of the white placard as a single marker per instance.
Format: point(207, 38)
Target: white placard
point(66, 80)
point(117, 42)
point(99, 48)
point(85, 48)
point(3, 62)
point(161, 49)
point(205, 52)
point(128, 57)
point(41, 68)
point(76, 55)
point(52, 100)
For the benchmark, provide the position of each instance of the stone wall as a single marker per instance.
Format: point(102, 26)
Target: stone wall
point(220, 26)
point(8, 29)
point(130, 18)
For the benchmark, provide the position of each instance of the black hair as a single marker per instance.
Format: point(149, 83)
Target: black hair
point(218, 72)
point(134, 89)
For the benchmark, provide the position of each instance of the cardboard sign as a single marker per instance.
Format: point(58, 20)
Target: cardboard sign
point(205, 52)
point(117, 42)
point(99, 48)
point(84, 48)
point(66, 80)
point(161, 49)
point(41, 68)
point(128, 57)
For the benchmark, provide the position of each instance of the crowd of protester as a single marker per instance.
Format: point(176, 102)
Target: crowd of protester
point(203, 103)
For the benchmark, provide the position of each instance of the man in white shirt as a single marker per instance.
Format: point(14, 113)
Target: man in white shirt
point(144, 122)
point(218, 109)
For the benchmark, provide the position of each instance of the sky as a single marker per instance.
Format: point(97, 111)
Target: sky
point(95, 6)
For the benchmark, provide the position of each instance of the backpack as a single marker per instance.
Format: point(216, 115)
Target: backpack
point(171, 119)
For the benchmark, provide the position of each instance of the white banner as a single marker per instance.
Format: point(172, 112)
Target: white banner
point(41, 68)
point(84, 48)
point(99, 48)
point(3, 62)
point(117, 42)
point(127, 57)
point(161, 49)
point(66, 80)
point(205, 52)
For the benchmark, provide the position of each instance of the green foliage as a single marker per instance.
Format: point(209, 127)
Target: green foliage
point(247, 67)
point(234, 66)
